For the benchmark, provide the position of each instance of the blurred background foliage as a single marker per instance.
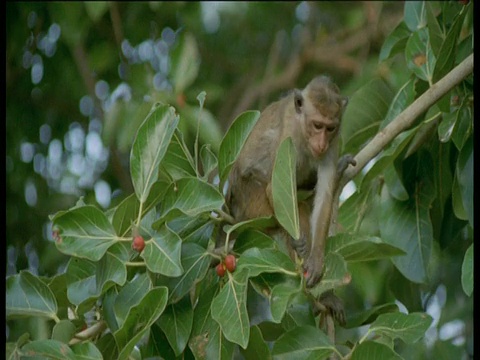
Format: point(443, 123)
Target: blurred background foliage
point(81, 76)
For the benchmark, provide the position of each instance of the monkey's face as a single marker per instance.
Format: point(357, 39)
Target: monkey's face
point(320, 132)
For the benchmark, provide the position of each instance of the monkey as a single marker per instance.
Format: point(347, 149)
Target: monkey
point(311, 117)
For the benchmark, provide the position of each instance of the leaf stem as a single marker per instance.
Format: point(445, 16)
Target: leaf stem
point(135, 263)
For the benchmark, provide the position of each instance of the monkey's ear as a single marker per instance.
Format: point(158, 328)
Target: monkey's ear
point(344, 101)
point(298, 100)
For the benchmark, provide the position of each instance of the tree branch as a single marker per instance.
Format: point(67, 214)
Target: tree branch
point(404, 120)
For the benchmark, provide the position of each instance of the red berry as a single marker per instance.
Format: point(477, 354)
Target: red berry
point(230, 262)
point(138, 243)
point(220, 269)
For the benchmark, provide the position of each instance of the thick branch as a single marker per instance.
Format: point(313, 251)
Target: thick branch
point(403, 121)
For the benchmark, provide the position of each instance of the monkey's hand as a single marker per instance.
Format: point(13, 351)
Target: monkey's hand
point(313, 270)
point(331, 304)
point(343, 163)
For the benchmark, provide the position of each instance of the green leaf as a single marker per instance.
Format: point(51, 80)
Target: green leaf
point(395, 42)
point(130, 296)
point(27, 295)
point(355, 247)
point(139, 320)
point(304, 342)
point(419, 55)
point(87, 351)
point(81, 281)
point(229, 309)
point(464, 176)
point(284, 188)
point(178, 161)
point(467, 271)
point(126, 213)
point(435, 32)
point(368, 316)
point(210, 131)
point(336, 274)
point(374, 351)
point(162, 252)
point(63, 331)
point(192, 197)
point(415, 15)
point(257, 261)
point(234, 140)
point(85, 232)
point(448, 51)
point(150, 145)
point(463, 126)
point(195, 262)
point(410, 328)
point(176, 322)
point(185, 63)
point(257, 347)
point(253, 238)
point(209, 160)
point(257, 223)
point(364, 113)
point(407, 224)
point(206, 340)
point(281, 297)
point(111, 269)
point(50, 349)
point(403, 98)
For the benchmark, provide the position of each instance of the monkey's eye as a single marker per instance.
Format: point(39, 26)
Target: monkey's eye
point(331, 129)
point(318, 126)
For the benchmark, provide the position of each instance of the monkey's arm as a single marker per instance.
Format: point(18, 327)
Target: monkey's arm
point(321, 219)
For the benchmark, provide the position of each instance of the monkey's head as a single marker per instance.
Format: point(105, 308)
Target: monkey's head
point(320, 107)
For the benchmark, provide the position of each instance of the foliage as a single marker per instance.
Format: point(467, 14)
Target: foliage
point(413, 203)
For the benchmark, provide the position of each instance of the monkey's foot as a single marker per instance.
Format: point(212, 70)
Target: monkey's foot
point(331, 304)
point(343, 163)
point(313, 270)
point(300, 246)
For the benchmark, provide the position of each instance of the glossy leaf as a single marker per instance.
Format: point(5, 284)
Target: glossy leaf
point(407, 224)
point(464, 174)
point(395, 42)
point(149, 148)
point(253, 238)
point(27, 295)
point(178, 161)
point(81, 281)
point(305, 342)
point(375, 351)
point(130, 296)
point(415, 15)
point(408, 327)
point(467, 271)
point(257, 347)
point(364, 113)
point(50, 349)
point(126, 213)
point(403, 98)
point(176, 322)
point(84, 232)
point(234, 140)
point(87, 351)
point(335, 274)
point(257, 261)
point(419, 55)
point(368, 316)
point(63, 331)
point(195, 263)
point(229, 309)
point(281, 296)
point(192, 197)
point(361, 248)
point(209, 160)
point(139, 320)
point(162, 252)
point(284, 188)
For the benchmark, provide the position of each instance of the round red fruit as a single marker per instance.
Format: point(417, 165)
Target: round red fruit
point(138, 243)
point(230, 262)
point(220, 269)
